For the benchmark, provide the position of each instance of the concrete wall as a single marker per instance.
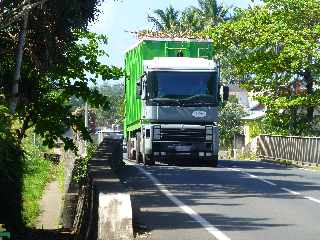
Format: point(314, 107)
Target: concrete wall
point(108, 214)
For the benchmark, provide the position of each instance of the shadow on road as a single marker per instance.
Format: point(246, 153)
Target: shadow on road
point(202, 188)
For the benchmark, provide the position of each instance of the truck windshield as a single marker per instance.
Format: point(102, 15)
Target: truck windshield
point(186, 87)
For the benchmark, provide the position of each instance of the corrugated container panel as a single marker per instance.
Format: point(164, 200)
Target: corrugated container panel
point(148, 50)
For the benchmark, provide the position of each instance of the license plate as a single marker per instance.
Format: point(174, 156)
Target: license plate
point(183, 148)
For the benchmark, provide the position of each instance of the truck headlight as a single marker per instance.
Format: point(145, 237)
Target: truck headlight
point(209, 133)
point(157, 132)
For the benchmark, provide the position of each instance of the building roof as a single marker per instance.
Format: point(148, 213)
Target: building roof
point(254, 115)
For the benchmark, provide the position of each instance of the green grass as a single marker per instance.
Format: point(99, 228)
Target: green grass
point(37, 173)
point(59, 175)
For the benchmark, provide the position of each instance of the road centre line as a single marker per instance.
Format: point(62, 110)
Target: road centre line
point(273, 184)
point(202, 221)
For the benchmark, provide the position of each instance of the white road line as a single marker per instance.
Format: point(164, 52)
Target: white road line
point(268, 182)
point(313, 199)
point(273, 184)
point(210, 228)
point(234, 169)
point(253, 176)
point(290, 191)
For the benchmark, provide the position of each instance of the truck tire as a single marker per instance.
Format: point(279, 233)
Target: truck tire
point(130, 157)
point(148, 160)
point(214, 162)
point(138, 152)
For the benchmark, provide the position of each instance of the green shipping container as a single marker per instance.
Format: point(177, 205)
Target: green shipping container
point(148, 50)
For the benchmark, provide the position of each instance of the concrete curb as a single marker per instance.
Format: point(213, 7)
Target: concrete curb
point(115, 216)
point(109, 204)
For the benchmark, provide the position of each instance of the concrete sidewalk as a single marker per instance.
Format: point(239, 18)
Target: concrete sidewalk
point(50, 207)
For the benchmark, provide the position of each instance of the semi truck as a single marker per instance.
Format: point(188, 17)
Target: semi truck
point(171, 101)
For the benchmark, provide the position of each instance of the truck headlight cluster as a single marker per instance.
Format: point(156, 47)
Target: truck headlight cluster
point(157, 132)
point(209, 133)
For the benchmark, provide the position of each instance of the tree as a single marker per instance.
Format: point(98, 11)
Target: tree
point(230, 123)
point(114, 114)
point(189, 23)
point(166, 20)
point(274, 50)
point(55, 55)
point(191, 20)
point(211, 13)
point(45, 27)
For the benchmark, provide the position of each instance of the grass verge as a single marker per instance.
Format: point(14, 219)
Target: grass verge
point(37, 173)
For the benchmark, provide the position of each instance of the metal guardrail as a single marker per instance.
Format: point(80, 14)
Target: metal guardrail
point(303, 150)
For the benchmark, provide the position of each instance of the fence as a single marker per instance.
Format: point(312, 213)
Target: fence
point(303, 150)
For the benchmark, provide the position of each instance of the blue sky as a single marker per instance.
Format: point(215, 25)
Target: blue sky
point(117, 17)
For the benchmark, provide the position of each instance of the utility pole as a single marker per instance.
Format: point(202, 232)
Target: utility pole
point(86, 119)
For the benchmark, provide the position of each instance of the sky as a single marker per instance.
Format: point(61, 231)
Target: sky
point(118, 17)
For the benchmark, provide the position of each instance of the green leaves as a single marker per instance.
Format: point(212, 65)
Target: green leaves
point(192, 19)
point(230, 123)
point(273, 49)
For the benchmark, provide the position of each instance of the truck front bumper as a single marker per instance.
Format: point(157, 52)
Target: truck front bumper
point(183, 151)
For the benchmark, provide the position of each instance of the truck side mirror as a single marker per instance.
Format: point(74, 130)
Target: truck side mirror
point(226, 91)
point(138, 90)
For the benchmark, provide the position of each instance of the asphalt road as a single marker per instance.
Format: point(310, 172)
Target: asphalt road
point(239, 200)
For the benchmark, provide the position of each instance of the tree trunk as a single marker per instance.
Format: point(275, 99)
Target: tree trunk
point(309, 81)
point(16, 78)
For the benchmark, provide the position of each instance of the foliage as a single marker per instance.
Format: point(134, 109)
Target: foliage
point(50, 26)
point(10, 171)
point(58, 55)
point(230, 123)
point(46, 96)
point(211, 13)
point(166, 20)
point(273, 49)
point(255, 128)
point(114, 114)
point(36, 173)
point(80, 170)
point(191, 20)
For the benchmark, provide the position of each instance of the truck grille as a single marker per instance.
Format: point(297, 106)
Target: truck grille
point(183, 135)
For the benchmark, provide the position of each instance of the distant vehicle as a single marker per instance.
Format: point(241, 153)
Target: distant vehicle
point(171, 101)
point(108, 133)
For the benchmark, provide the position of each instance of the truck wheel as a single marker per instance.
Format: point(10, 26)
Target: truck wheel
point(148, 160)
point(214, 160)
point(133, 155)
point(138, 153)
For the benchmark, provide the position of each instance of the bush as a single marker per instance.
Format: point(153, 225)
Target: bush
point(230, 122)
point(80, 170)
point(10, 173)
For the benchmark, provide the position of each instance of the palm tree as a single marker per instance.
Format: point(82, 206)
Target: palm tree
point(166, 20)
point(211, 12)
point(191, 20)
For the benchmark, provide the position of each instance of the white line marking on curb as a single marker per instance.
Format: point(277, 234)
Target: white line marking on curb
point(313, 199)
point(210, 228)
point(290, 191)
